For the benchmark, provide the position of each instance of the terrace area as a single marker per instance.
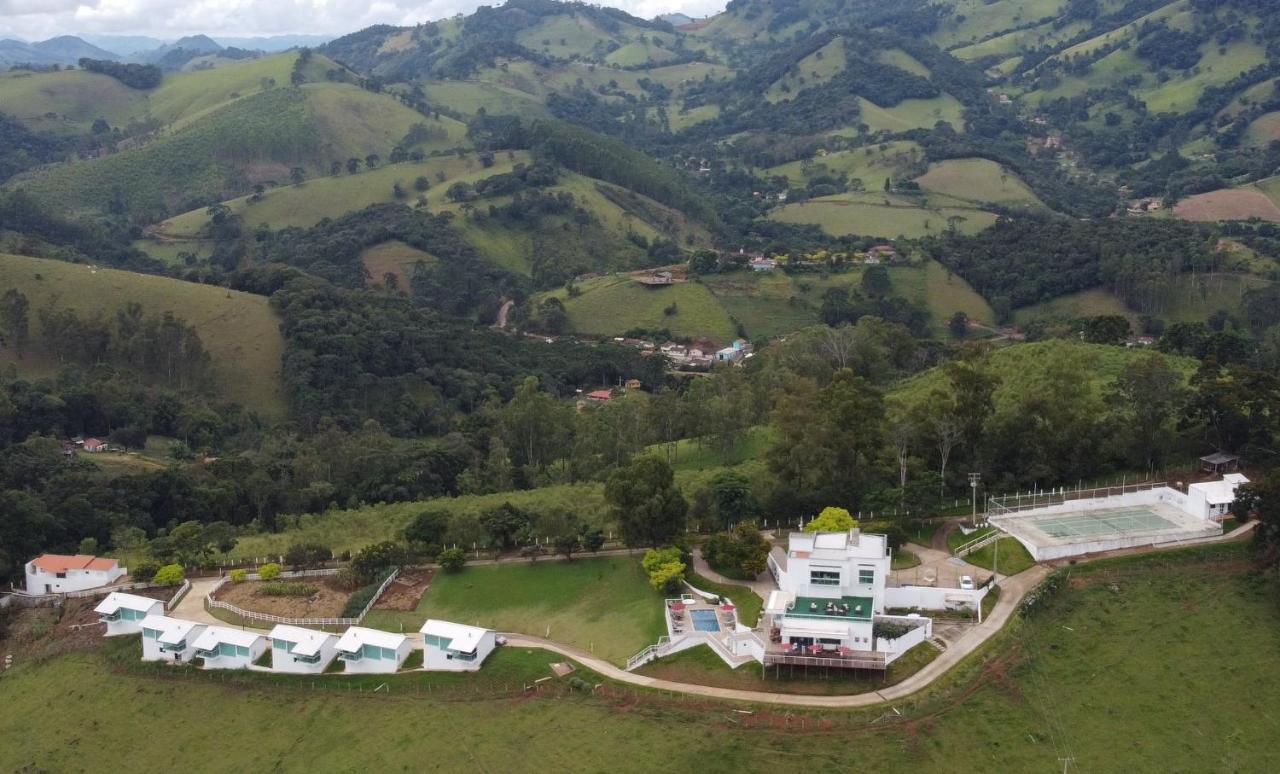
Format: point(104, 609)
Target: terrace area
point(849, 608)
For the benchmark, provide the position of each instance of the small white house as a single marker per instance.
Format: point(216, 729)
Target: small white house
point(169, 639)
point(372, 650)
point(124, 613)
point(1213, 499)
point(301, 651)
point(59, 574)
point(455, 647)
point(222, 647)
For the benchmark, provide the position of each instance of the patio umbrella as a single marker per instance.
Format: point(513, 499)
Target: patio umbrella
point(677, 606)
point(727, 608)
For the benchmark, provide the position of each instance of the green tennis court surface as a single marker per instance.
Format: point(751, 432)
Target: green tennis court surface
point(1101, 523)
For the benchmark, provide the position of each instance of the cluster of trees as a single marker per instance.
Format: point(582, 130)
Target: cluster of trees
point(131, 74)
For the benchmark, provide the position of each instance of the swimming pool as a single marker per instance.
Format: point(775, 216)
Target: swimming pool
point(705, 620)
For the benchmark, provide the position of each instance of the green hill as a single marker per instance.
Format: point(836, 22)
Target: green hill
point(239, 330)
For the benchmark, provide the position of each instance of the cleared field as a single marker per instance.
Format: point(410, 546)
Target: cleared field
point(871, 164)
point(1071, 680)
point(913, 114)
point(766, 305)
point(978, 180)
point(1264, 129)
point(815, 69)
point(1086, 303)
point(470, 96)
point(942, 292)
point(393, 258)
point(614, 304)
point(860, 214)
point(604, 605)
point(1188, 298)
point(240, 331)
point(1228, 204)
point(75, 98)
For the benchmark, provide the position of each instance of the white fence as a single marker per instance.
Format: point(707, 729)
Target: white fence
point(249, 615)
point(922, 629)
point(933, 598)
point(23, 599)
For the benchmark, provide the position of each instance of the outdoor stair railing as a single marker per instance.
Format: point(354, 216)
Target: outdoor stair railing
point(978, 542)
point(649, 653)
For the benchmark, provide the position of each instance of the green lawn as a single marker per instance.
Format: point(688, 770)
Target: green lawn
point(904, 560)
point(240, 330)
point(978, 181)
point(814, 70)
point(870, 164)
point(1107, 660)
point(869, 215)
point(604, 604)
point(1014, 557)
point(748, 603)
point(614, 304)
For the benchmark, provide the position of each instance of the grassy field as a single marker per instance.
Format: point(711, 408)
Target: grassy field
point(75, 99)
point(913, 114)
point(612, 304)
point(394, 258)
point(1086, 303)
point(1013, 557)
point(604, 605)
point(871, 165)
point(814, 70)
point(979, 181)
point(1100, 675)
point(868, 215)
point(239, 330)
point(1188, 298)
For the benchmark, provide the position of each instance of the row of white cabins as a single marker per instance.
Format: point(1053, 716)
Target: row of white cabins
point(447, 646)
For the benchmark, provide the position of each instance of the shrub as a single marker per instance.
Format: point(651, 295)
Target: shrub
point(307, 556)
point(356, 603)
point(667, 577)
point(269, 571)
point(345, 578)
point(144, 570)
point(888, 630)
point(373, 561)
point(831, 519)
point(239, 576)
point(452, 559)
point(170, 575)
point(288, 589)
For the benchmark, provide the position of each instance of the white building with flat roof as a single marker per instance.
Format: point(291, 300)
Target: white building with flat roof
point(60, 573)
point(123, 613)
point(372, 650)
point(169, 639)
point(301, 651)
point(1214, 499)
point(455, 647)
point(222, 647)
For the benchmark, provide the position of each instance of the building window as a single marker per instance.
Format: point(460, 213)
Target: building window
point(824, 577)
point(867, 576)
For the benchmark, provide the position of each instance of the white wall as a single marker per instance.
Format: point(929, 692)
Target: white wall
point(41, 582)
point(932, 598)
point(122, 626)
point(282, 661)
point(892, 649)
point(381, 665)
point(151, 648)
point(256, 650)
point(435, 659)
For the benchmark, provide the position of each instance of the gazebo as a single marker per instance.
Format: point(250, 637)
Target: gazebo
point(1219, 462)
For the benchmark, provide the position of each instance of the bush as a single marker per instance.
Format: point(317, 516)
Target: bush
point(356, 603)
point(170, 575)
point(239, 576)
point(452, 559)
point(307, 556)
point(269, 571)
point(375, 560)
point(287, 589)
point(345, 578)
point(665, 568)
point(831, 519)
point(144, 570)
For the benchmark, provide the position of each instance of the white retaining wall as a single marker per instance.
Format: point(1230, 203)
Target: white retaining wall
point(932, 598)
point(893, 649)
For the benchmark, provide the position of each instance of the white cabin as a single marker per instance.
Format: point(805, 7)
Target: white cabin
point(455, 647)
point(301, 651)
point(1213, 499)
point(60, 574)
point(372, 650)
point(169, 639)
point(123, 613)
point(222, 647)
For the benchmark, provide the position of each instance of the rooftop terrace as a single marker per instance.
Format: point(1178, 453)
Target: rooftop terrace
point(850, 608)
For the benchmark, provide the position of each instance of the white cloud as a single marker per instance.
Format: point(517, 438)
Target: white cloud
point(38, 19)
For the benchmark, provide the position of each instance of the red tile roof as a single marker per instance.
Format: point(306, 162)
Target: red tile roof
point(62, 563)
point(600, 395)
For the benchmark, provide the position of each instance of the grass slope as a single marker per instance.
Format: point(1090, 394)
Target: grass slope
point(978, 181)
point(1101, 676)
point(600, 604)
point(610, 305)
point(882, 216)
point(239, 330)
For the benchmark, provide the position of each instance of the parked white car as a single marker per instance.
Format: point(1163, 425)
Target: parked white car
point(966, 582)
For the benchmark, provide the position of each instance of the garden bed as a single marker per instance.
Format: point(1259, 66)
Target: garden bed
point(325, 601)
point(405, 592)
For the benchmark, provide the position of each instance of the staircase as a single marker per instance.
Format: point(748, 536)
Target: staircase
point(979, 542)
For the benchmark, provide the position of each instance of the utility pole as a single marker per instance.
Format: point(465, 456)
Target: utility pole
point(974, 478)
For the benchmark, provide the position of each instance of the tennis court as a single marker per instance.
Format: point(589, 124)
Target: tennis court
point(1103, 524)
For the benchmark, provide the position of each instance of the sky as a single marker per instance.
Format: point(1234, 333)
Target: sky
point(40, 19)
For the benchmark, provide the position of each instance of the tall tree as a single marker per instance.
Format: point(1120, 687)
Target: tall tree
point(645, 503)
point(1150, 395)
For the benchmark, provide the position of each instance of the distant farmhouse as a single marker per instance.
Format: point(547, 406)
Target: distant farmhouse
point(60, 574)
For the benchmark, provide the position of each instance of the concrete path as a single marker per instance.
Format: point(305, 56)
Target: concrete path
point(191, 607)
point(762, 584)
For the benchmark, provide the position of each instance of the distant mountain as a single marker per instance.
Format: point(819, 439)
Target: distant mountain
point(62, 50)
point(125, 45)
point(676, 19)
point(275, 43)
point(68, 48)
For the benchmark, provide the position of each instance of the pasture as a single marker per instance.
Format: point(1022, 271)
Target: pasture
point(395, 259)
point(870, 215)
point(239, 330)
point(1228, 204)
point(613, 304)
point(871, 164)
point(978, 181)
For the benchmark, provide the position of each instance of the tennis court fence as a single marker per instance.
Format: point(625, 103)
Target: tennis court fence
point(1003, 505)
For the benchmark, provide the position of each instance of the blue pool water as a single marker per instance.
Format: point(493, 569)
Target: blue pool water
point(705, 620)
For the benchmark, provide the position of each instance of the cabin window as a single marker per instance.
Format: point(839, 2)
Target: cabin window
point(866, 575)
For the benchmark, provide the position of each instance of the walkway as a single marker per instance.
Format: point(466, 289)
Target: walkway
point(762, 584)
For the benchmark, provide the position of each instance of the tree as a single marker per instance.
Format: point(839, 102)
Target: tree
point(371, 161)
point(452, 559)
point(505, 524)
point(1150, 394)
point(269, 571)
point(1261, 500)
point(307, 556)
point(144, 570)
point(665, 567)
point(428, 528)
point(704, 262)
point(297, 175)
point(335, 168)
point(832, 519)
point(1107, 329)
point(188, 542)
point(876, 282)
point(959, 325)
point(89, 546)
point(373, 560)
point(353, 165)
point(421, 183)
point(645, 502)
point(741, 552)
point(169, 575)
point(14, 320)
point(732, 498)
point(592, 539)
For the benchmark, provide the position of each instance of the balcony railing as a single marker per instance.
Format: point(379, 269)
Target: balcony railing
point(862, 660)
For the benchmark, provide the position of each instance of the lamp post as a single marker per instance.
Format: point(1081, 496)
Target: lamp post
point(974, 478)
